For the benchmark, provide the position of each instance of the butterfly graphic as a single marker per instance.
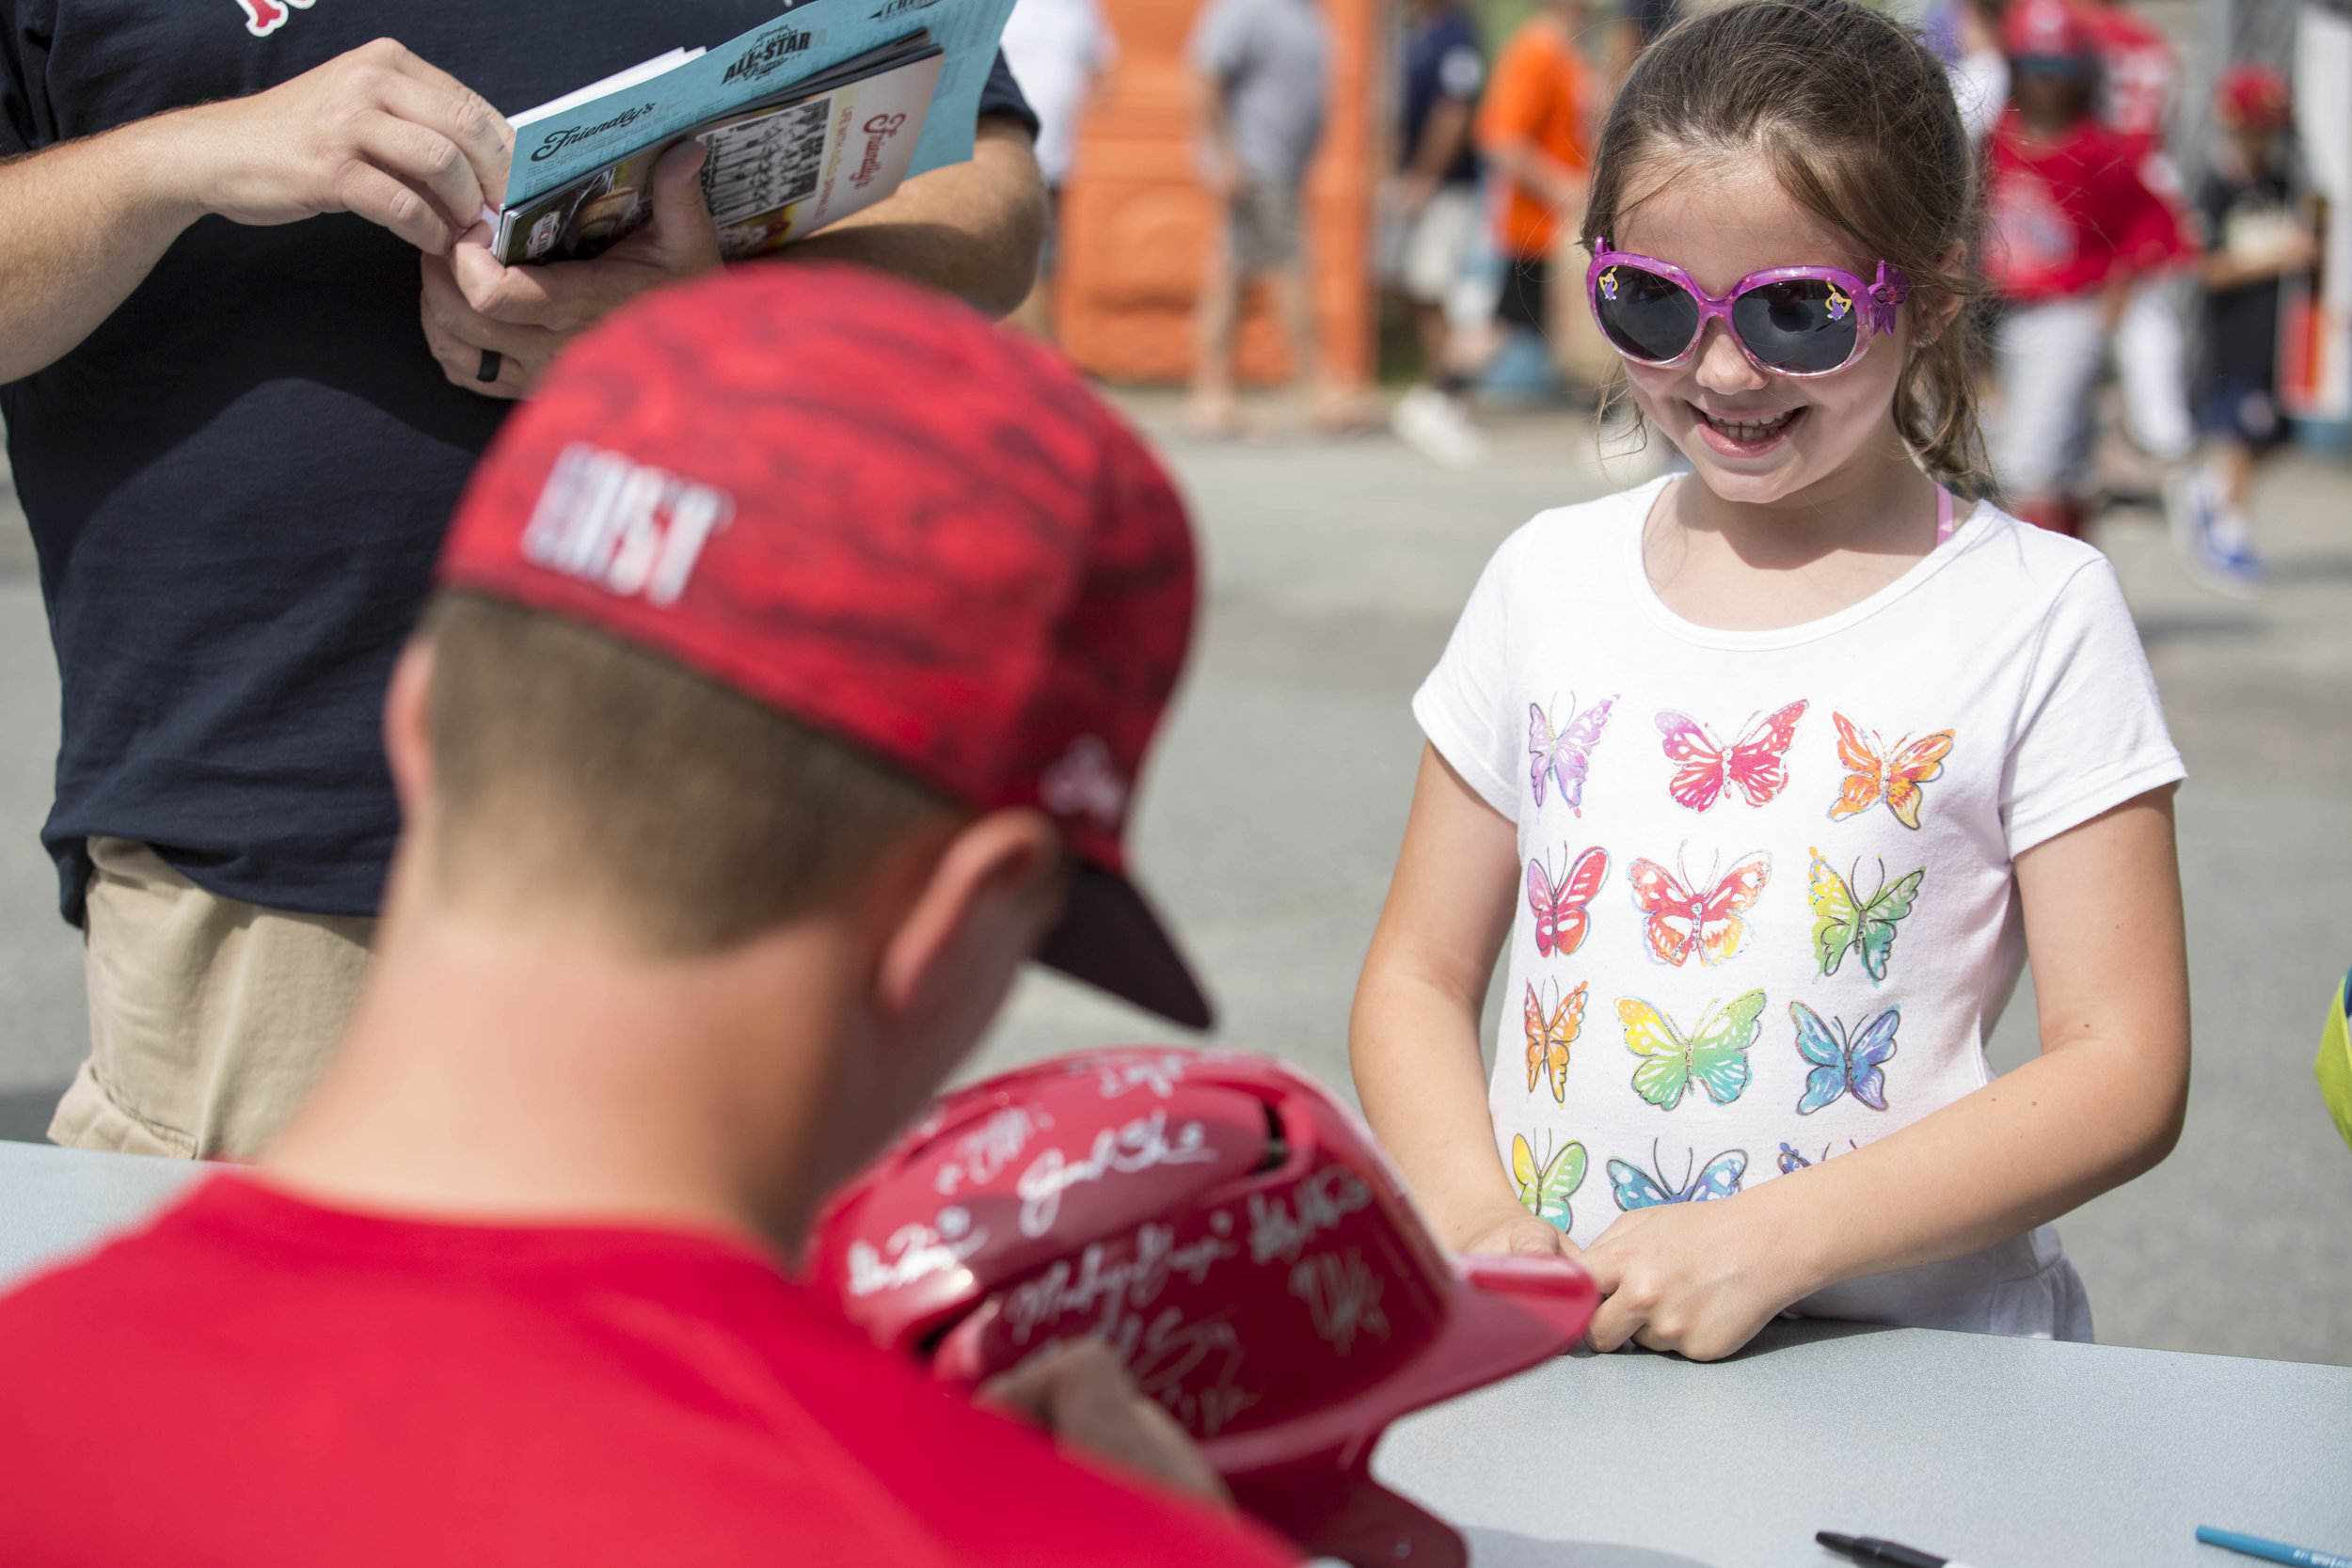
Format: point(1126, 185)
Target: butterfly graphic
point(1707, 923)
point(1864, 925)
point(1705, 767)
point(1545, 1186)
point(1565, 754)
point(1842, 1065)
point(1634, 1188)
point(1715, 1054)
point(1560, 907)
point(1884, 772)
point(1549, 1037)
point(1791, 1162)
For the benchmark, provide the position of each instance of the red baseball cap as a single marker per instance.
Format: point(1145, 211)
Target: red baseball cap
point(2051, 30)
point(863, 504)
point(2251, 97)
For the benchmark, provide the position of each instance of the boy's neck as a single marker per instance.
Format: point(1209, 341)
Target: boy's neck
point(492, 1074)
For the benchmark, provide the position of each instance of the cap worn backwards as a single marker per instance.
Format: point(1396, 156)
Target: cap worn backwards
point(861, 504)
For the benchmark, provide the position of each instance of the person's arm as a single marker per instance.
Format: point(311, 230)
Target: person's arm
point(2100, 1104)
point(1442, 137)
point(1220, 166)
point(1537, 171)
point(375, 131)
point(972, 229)
point(1412, 1037)
point(2220, 270)
point(1507, 127)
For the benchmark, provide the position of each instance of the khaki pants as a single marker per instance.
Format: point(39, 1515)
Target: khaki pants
point(210, 1019)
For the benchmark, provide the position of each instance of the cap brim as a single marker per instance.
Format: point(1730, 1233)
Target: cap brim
point(1109, 937)
point(1504, 1315)
point(1509, 1313)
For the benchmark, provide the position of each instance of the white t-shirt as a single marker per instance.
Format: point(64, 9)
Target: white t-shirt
point(1768, 913)
point(1055, 48)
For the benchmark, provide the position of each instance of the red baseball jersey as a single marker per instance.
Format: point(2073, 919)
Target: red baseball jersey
point(2139, 72)
point(2069, 213)
point(258, 1381)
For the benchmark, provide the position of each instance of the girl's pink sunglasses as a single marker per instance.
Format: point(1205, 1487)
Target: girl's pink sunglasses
point(1788, 320)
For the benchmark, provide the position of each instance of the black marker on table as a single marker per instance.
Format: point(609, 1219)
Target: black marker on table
point(1870, 1550)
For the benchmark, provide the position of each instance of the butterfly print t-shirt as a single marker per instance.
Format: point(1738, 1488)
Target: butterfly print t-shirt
point(363, 1389)
point(1806, 922)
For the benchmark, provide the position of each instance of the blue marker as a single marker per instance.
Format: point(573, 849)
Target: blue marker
point(2275, 1551)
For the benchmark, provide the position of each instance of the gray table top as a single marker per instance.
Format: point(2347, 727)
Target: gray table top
point(2004, 1453)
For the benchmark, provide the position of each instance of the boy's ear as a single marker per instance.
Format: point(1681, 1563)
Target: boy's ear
point(409, 728)
point(993, 893)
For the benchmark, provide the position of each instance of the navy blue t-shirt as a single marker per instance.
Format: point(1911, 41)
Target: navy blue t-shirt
point(238, 482)
point(1442, 60)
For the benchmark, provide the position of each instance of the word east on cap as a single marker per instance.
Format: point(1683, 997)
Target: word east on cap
point(860, 503)
point(1231, 1233)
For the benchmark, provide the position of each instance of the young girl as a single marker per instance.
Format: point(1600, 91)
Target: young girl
point(1773, 774)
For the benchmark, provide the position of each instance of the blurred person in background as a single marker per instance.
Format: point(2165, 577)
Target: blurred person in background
point(2254, 236)
point(1435, 200)
point(1058, 50)
point(1634, 28)
point(1969, 37)
point(251, 344)
point(2139, 77)
point(1261, 68)
point(1536, 131)
point(2072, 230)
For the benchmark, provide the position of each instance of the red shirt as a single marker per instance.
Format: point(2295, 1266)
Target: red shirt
point(260, 1381)
point(2069, 213)
point(2137, 71)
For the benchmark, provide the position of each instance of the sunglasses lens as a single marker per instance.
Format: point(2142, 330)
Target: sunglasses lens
point(1805, 326)
point(1644, 316)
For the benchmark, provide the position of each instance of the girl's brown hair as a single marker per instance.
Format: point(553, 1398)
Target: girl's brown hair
point(1855, 119)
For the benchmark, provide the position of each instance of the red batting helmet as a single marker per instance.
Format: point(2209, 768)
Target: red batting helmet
point(1229, 1229)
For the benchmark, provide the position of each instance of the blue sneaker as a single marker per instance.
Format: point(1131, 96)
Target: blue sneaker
point(2213, 538)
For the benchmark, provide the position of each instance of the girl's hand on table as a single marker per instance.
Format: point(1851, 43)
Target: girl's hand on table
point(1690, 1278)
point(1517, 1233)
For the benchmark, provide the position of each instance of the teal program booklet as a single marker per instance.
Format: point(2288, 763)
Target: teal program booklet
point(814, 115)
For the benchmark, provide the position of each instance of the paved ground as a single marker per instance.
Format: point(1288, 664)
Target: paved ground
point(1270, 821)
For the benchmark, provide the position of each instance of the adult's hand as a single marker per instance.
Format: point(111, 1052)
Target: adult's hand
point(1082, 1395)
point(474, 307)
point(376, 132)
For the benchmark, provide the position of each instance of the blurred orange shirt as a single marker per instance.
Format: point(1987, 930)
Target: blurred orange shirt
point(1542, 91)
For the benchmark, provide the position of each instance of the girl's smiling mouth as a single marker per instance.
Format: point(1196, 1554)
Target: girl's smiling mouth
point(1745, 437)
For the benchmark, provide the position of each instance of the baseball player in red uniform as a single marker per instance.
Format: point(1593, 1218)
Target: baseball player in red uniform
point(794, 654)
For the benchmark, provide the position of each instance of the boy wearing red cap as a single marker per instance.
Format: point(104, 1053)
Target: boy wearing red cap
point(2072, 228)
point(2140, 74)
point(767, 718)
point(2254, 236)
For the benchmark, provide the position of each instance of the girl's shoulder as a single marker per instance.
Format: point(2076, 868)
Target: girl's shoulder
point(1567, 537)
point(2003, 553)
